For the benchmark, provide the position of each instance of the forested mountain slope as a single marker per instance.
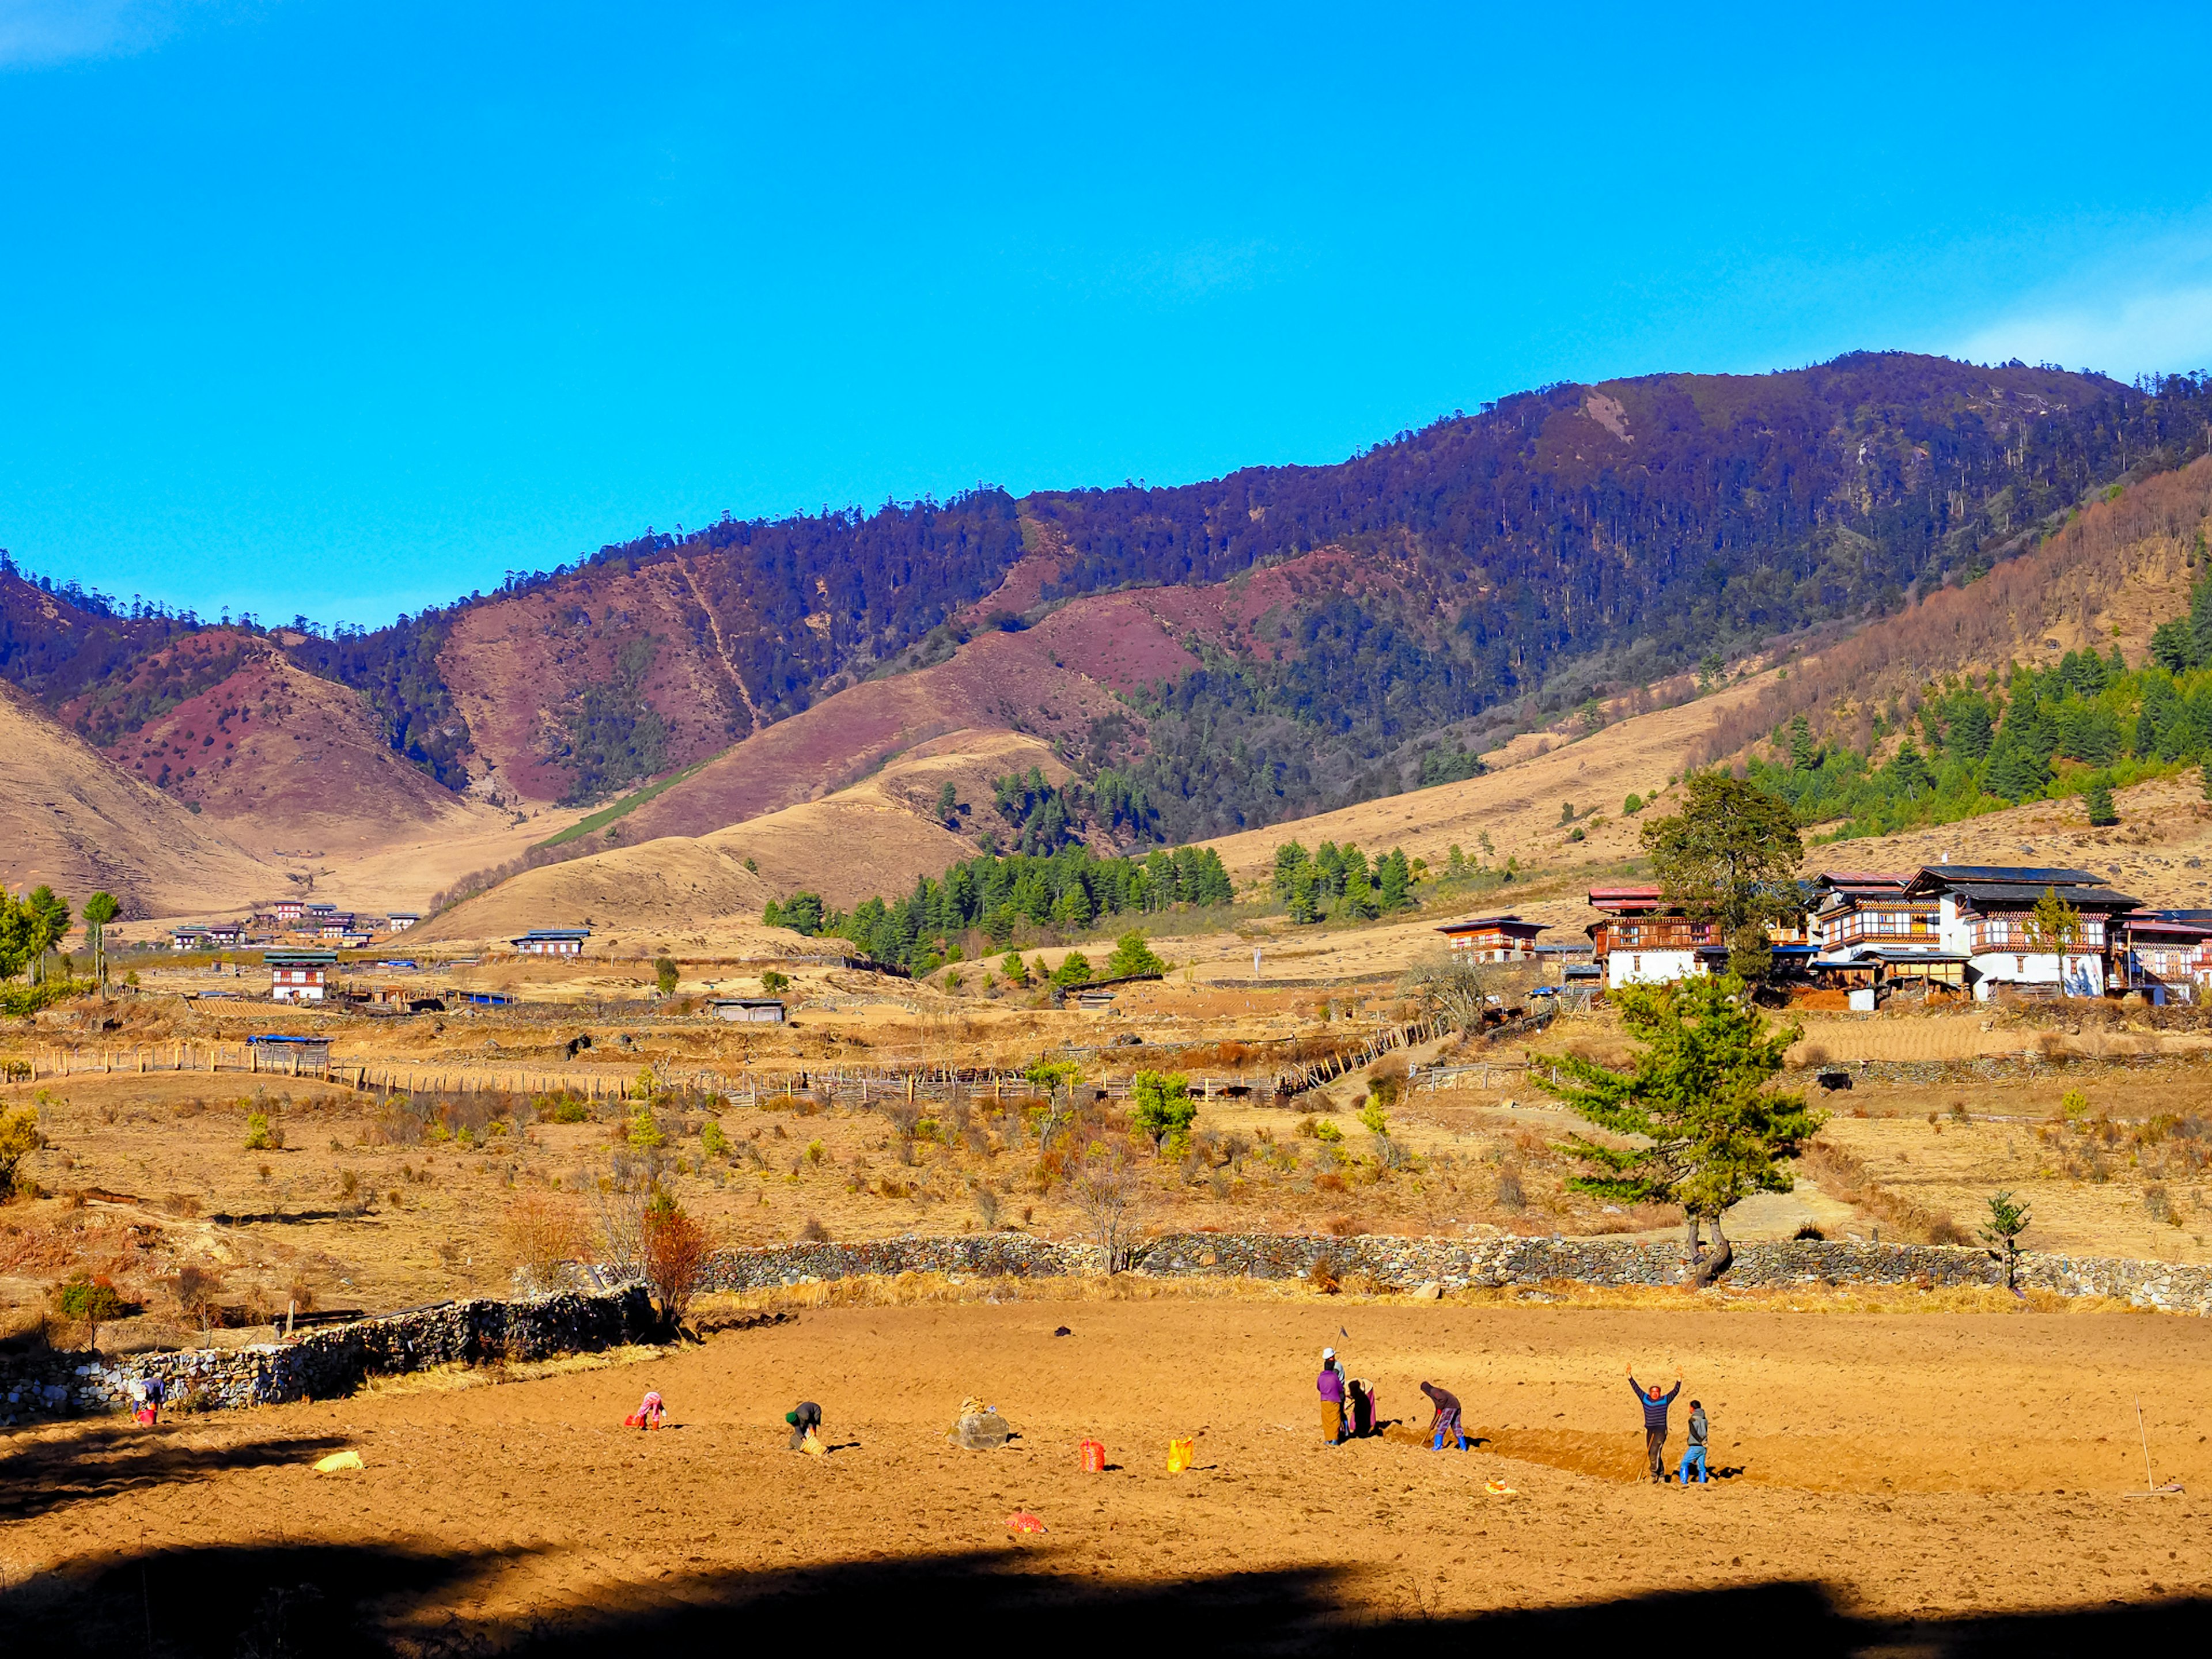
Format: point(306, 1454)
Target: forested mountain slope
point(1572, 542)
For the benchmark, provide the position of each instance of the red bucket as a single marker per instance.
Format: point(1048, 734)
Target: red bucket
point(1094, 1458)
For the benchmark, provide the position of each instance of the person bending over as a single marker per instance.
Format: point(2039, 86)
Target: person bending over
point(1447, 1420)
point(807, 1419)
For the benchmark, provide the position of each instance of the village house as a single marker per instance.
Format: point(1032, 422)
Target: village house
point(2165, 954)
point(551, 942)
point(1494, 939)
point(1986, 913)
point(400, 921)
point(188, 938)
point(299, 976)
point(1869, 935)
point(288, 910)
point(224, 934)
point(334, 925)
point(1641, 939)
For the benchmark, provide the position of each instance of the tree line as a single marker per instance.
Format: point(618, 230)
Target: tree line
point(1063, 892)
point(2086, 726)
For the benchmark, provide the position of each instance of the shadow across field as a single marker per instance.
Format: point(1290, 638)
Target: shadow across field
point(38, 1477)
point(371, 1600)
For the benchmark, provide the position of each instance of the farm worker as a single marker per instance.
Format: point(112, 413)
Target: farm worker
point(806, 1420)
point(1447, 1420)
point(649, 1412)
point(151, 1392)
point(1330, 1386)
point(1655, 1405)
point(1359, 1407)
point(1694, 1456)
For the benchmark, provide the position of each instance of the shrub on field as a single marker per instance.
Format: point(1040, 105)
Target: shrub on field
point(541, 1233)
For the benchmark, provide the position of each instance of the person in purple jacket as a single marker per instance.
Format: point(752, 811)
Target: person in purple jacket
point(1330, 1386)
point(1655, 1405)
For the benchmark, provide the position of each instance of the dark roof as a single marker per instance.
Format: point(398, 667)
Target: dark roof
point(2202, 918)
point(2091, 895)
point(300, 959)
point(2016, 874)
point(555, 932)
point(274, 1037)
point(1864, 878)
point(1474, 922)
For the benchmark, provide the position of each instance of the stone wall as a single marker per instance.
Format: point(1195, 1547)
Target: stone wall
point(323, 1363)
point(1405, 1263)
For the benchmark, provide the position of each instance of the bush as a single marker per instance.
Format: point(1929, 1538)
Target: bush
point(1133, 955)
point(814, 1232)
point(1162, 1107)
point(665, 974)
point(543, 1232)
point(93, 1299)
point(19, 1138)
point(712, 1141)
point(774, 984)
point(674, 1257)
point(261, 1135)
point(569, 1110)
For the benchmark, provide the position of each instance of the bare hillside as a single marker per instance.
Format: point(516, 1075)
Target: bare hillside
point(71, 818)
point(874, 837)
point(291, 765)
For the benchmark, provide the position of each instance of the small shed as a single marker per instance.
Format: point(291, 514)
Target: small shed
point(293, 1054)
point(1094, 1002)
point(749, 1011)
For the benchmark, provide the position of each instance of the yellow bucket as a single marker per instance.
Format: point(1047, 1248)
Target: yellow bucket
point(1179, 1456)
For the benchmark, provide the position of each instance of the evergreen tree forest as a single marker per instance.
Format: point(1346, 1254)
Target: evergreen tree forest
point(2088, 724)
point(1063, 892)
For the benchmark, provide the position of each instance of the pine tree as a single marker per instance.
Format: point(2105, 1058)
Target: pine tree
point(1706, 1130)
point(1803, 754)
point(2097, 798)
point(1971, 730)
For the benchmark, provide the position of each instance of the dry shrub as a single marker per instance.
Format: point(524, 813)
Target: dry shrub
point(676, 1251)
point(1341, 1226)
point(1329, 1182)
point(543, 1232)
point(814, 1232)
point(1845, 1177)
point(1512, 1195)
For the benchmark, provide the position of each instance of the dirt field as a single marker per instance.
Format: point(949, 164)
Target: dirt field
point(1860, 1509)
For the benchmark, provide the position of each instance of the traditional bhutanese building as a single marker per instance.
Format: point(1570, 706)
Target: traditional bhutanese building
point(299, 976)
point(1641, 939)
point(1494, 939)
point(552, 942)
point(1986, 914)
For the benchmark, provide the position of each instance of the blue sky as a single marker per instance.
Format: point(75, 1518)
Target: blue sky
point(348, 308)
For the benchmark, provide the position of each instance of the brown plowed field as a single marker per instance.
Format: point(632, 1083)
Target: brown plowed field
point(1893, 1483)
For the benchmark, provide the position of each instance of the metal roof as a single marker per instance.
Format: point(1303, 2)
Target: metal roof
point(2088, 894)
point(300, 959)
point(1489, 921)
point(557, 932)
point(1955, 873)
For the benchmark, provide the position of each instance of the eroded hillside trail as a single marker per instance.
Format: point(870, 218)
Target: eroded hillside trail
point(721, 648)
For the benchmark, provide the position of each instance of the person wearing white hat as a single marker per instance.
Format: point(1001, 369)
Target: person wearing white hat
point(1330, 1386)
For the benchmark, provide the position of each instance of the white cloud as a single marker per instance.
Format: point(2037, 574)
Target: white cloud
point(2165, 330)
point(37, 32)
